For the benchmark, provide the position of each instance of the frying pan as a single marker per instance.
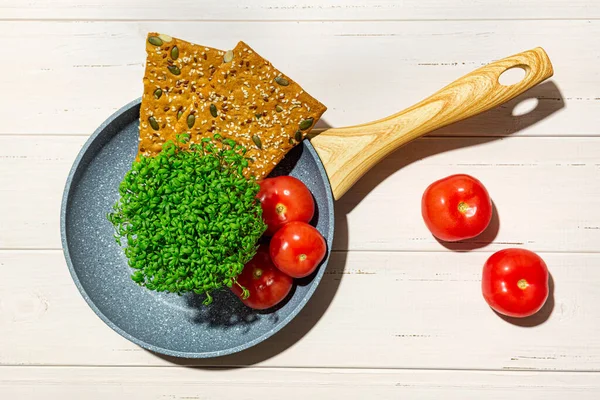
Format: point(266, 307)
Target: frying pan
point(329, 165)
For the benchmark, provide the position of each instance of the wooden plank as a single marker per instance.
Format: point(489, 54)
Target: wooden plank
point(527, 179)
point(70, 89)
point(68, 383)
point(34, 173)
point(545, 191)
point(394, 309)
point(298, 10)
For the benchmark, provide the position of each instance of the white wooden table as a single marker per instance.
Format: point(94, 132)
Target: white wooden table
point(397, 315)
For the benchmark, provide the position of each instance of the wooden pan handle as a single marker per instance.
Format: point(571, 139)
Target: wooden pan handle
point(348, 153)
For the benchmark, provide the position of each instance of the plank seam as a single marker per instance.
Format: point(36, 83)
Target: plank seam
point(291, 20)
point(349, 368)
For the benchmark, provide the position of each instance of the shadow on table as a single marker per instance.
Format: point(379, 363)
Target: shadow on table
point(486, 127)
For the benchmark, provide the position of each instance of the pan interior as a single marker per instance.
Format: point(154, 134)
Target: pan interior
point(164, 322)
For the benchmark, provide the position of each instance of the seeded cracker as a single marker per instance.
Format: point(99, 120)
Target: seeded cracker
point(251, 102)
point(175, 69)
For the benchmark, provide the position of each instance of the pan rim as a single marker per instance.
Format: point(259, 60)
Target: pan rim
point(67, 192)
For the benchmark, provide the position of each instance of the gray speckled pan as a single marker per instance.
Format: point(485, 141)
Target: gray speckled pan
point(329, 166)
point(166, 323)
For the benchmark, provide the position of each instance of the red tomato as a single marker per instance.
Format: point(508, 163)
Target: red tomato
point(515, 282)
point(297, 249)
point(266, 285)
point(285, 199)
point(457, 207)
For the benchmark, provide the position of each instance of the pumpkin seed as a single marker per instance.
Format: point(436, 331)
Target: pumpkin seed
point(179, 114)
point(155, 41)
point(298, 136)
point(191, 120)
point(307, 123)
point(258, 116)
point(228, 56)
point(257, 141)
point(213, 110)
point(281, 80)
point(291, 141)
point(165, 38)
point(174, 69)
point(153, 123)
point(278, 108)
point(175, 53)
point(157, 93)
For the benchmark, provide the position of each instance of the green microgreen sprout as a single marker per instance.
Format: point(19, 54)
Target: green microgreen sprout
point(189, 217)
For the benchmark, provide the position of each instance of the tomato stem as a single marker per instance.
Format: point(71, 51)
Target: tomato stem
point(257, 273)
point(522, 284)
point(302, 257)
point(463, 207)
point(280, 209)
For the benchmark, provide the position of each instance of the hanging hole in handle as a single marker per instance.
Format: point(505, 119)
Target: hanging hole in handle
point(512, 75)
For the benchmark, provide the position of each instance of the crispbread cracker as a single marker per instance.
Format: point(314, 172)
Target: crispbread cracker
point(190, 71)
point(255, 105)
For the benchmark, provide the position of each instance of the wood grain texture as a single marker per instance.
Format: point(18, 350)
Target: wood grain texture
point(293, 10)
point(68, 383)
point(528, 178)
point(71, 89)
point(404, 309)
point(350, 152)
